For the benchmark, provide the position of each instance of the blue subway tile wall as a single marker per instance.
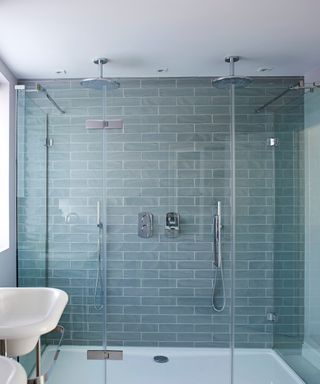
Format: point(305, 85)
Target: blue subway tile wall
point(173, 154)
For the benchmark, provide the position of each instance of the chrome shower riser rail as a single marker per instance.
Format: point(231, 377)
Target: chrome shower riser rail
point(40, 88)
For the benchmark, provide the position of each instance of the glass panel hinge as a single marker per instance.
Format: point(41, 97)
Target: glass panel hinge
point(104, 354)
point(48, 142)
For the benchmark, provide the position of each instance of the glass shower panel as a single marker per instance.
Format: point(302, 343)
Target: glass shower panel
point(31, 198)
point(289, 226)
point(69, 189)
point(254, 232)
point(31, 191)
point(311, 340)
point(171, 159)
point(296, 332)
point(269, 242)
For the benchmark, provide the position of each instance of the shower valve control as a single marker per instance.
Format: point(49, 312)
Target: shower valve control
point(172, 225)
point(145, 224)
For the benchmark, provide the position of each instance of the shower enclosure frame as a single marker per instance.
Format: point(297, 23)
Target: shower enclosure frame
point(103, 352)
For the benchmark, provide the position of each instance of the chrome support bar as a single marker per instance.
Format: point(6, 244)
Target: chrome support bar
point(42, 379)
point(217, 236)
point(40, 88)
point(38, 358)
point(298, 85)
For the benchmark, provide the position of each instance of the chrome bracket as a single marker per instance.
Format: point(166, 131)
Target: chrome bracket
point(104, 354)
point(273, 142)
point(272, 317)
point(48, 142)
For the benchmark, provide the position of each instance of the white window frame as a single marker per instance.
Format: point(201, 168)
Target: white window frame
point(4, 163)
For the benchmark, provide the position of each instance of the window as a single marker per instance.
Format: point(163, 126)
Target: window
point(4, 163)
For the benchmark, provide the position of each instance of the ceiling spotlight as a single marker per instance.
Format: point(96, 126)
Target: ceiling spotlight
point(161, 70)
point(264, 69)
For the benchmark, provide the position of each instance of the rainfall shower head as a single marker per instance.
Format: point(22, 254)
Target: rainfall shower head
point(100, 82)
point(227, 81)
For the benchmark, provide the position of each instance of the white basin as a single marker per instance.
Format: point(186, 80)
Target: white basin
point(11, 372)
point(28, 313)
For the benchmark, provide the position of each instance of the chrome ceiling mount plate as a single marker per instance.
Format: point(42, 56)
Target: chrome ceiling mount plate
point(101, 60)
point(234, 59)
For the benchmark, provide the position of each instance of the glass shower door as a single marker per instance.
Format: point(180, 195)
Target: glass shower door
point(61, 174)
point(170, 160)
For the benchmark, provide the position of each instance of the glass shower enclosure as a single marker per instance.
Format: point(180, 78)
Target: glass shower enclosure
point(94, 186)
point(126, 221)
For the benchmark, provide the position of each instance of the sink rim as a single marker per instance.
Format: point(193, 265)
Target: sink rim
point(42, 323)
point(15, 375)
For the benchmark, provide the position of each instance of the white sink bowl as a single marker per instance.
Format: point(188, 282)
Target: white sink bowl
point(28, 313)
point(11, 372)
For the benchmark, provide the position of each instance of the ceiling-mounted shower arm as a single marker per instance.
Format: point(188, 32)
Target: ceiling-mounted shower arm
point(231, 60)
point(101, 62)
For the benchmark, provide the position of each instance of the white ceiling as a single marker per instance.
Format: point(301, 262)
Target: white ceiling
point(190, 37)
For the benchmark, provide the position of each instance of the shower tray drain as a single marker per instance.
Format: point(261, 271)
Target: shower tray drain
point(161, 359)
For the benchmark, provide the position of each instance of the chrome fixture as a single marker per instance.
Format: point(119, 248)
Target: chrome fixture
point(299, 85)
point(217, 261)
point(40, 88)
point(100, 82)
point(98, 283)
point(226, 81)
point(48, 142)
point(101, 124)
point(272, 317)
point(306, 86)
point(273, 142)
point(104, 354)
point(217, 236)
point(172, 225)
point(43, 378)
point(71, 218)
point(145, 224)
